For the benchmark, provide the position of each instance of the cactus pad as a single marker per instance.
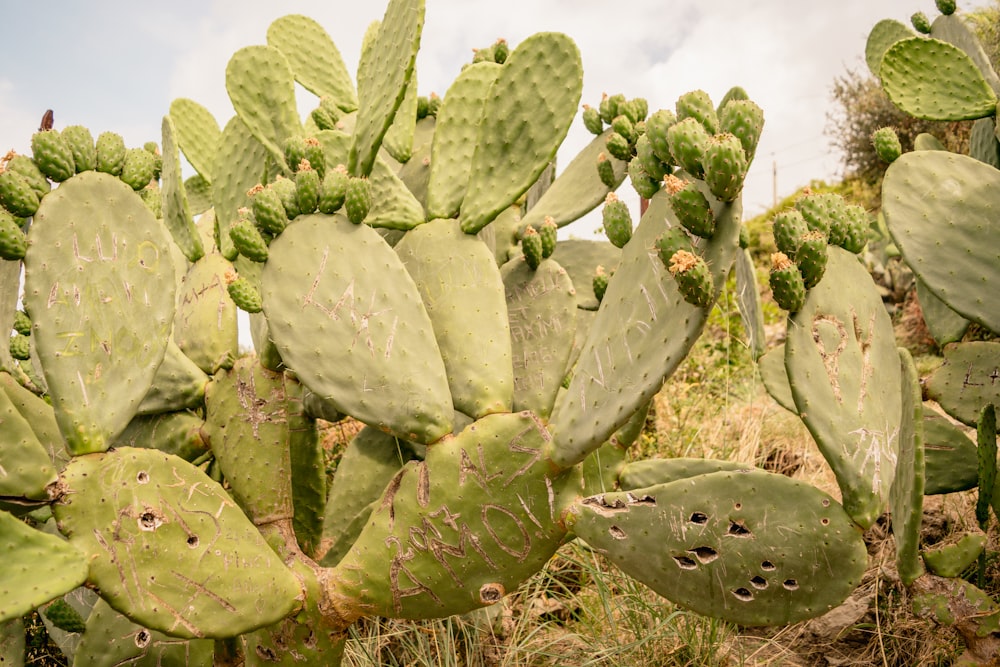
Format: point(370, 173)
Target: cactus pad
point(752, 547)
point(179, 555)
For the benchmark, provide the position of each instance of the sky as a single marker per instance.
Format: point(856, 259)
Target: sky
point(117, 64)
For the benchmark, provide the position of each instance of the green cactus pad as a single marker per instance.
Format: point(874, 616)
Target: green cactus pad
point(580, 258)
point(459, 530)
point(176, 210)
point(906, 494)
point(842, 365)
point(752, 547)
point(111, 640)
point(986, 445)
point(935, 80)
point(884, 34)
point(455, 135)
point(197, 134)
point(945, 325)
point(239, 167)
point(385, 70)
point(541, 306)
point(771, 367)
point(749, 302)
point(328, 281)
point(177, 384)
point(180, 433)
point(462, 290)
point(178, 555)
point(948, 255)
point(953, 559)
point(25, 466)
point(965, 382)
point(959, 31)
point(398, 140)
point(314, 59)
point(96, 243)
point(643, 325)
point(526, 117)
point(578, 189)
point(262, 89)
point(39, 416)
point(650, 472)
point(950, 456)
point(205, 326)
point(249, 404)
point(370, 460)
point(37, 567)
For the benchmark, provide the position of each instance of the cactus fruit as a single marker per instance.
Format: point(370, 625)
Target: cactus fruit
point(138, 168)
point(886, 143)
point(618, 146)
point(13, 242)
point(725, 166)
point(617, 220)
point(53, 155)
point(786, 282)
point(531, 244)
point(20, 347)
point(358, 199)
point(247, 240)
point(307, 187)
point(592, 120)
point(606, 171)
point(111, 151)
point(16, 194)
point(921, 23)
point(745, 120)
point(64, 617)
point(24, 165)
point(690, 206)
point(81, 143)
point(811, 258)
point(22, 323)
point(693, 278)
point(548, 232)
point(670, 242)
point(656, 131)
point(688, 139)
point(333, 190)
point(698, 105)
point(600, 283)
point(327, 114)
point(946, 7)
point(244, 294)
point(645, 185)
point(268, 209)
point(285, 189)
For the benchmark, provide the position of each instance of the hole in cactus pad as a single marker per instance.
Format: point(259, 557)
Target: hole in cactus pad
point(142, 477)
point(699, 518)
point(617, 533)
point(743, 594)
point(491, 593)
point(705, 554)
point(791, 584)
point(768, 566)
point(142, 638)
point(686, 563)
point(738, 529)
point(758, 582)
point(192, 541)
point(149, 520)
